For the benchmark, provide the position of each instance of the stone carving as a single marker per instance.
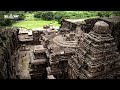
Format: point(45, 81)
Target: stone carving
point(38, 63)
point(80, 49)
point(96, 53)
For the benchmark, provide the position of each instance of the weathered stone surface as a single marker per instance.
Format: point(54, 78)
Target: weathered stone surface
point(38, 63)
point(8, 44)
point(101, 27)
point(92, 56)
point(61, 49)
point(114, 26)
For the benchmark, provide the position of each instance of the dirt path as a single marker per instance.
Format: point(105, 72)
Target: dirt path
point(23, 64)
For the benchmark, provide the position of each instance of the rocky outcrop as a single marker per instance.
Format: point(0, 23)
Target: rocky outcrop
point(8, 44)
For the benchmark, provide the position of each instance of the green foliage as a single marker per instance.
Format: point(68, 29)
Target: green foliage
point(104, 13)
point(21, 16)
point(58, 15)
point(6, 22)
point(100, 14)
point(116, 13)
point(45, 15)
point(38, 14)
point(31, 12)
point(30, 16)
point(34, 18)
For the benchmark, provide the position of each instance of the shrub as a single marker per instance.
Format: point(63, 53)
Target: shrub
point(104, 14)
point(116, 13)
point(58, 15)
point(47, 15)
point(100, 14)
point(6, 22)
point(38, 14)
point(21, 16)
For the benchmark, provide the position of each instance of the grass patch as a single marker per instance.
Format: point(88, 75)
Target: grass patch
point(32, 24)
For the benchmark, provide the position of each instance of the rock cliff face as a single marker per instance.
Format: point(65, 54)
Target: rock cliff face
point(8, 44)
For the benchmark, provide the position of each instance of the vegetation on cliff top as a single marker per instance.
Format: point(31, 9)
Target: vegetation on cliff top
point(36, 19)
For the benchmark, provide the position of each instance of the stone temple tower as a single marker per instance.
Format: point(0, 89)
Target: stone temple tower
point(97, 54)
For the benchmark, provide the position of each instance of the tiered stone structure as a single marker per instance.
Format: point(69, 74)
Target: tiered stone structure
point(38, 63)
point(96, 56)
point(114, 25)
point(59, 52)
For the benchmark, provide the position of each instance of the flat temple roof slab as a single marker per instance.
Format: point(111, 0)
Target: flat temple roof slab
point(24, 38)
point(74, 20)
point(39, 48)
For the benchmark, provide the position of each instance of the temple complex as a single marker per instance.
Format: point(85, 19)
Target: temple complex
point(79, 49)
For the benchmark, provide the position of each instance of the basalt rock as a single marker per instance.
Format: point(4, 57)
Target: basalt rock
point(96, 56)
point(8, 44)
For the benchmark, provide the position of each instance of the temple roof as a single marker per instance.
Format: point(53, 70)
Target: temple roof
point(76, 21)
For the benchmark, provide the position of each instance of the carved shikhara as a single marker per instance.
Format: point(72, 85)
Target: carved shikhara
point(97, 53)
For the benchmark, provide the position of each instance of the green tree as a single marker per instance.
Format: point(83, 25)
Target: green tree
point(38, 14)
point(116, 13)
point(48, 15)
point(6, 22)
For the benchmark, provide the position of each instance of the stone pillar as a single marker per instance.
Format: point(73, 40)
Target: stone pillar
point(36, 37)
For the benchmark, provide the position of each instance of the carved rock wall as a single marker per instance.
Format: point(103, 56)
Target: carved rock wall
point(8, 44)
